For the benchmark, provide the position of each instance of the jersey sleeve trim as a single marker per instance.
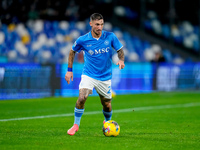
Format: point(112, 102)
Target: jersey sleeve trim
point(120, 48)
point(73, 50)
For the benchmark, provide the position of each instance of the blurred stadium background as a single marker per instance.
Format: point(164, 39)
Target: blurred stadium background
point(161, 43)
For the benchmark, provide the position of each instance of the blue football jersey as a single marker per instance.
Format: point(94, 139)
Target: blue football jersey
point(97, 54)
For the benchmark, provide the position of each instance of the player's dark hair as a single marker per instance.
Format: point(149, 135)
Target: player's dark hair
point(96, 16)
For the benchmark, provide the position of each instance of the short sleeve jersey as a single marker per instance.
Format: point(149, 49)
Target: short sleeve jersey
point(97, 54)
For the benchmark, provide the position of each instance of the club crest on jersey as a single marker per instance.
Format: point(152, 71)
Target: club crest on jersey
point(90, 52)
point(106, 42)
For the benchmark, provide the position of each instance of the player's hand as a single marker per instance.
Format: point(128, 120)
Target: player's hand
point(121, 64)
point(68, 76)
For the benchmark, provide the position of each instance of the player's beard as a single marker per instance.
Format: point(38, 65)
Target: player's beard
point(97, 32)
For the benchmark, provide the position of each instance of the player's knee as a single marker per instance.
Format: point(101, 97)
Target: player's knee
point(82, 99)
point(107, 106)
point(106, 102)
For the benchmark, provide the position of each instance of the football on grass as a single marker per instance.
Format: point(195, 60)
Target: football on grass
point(111, 128)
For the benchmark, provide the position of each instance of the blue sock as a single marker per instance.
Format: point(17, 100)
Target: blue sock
point(77, 115)
point(107, 115)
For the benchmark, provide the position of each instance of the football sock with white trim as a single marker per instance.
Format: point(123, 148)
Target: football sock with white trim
point(77, 115)
point(107, 115)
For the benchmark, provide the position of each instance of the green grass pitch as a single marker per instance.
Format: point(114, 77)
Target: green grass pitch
point(159, 121)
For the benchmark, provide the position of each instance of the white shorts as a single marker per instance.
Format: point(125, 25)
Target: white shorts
point(102, 87)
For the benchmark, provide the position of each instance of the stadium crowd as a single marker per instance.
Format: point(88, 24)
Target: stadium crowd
point(34, 31)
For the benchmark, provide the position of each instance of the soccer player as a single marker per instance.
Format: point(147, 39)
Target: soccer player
point(97, 72)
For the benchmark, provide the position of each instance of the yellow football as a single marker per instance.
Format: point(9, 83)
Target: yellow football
point(111, 128)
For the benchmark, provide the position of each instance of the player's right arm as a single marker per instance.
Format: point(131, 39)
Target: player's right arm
point(69, 74)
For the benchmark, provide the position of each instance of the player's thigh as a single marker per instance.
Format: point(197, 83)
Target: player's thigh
point(86, 85)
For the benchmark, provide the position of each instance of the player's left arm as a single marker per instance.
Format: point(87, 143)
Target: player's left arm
point(121, 59)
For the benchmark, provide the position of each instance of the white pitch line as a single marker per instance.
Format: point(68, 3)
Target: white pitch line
point(115, 111)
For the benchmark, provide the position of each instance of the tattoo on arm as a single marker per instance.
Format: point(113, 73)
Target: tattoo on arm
point(71, 58)
point(121, 54)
